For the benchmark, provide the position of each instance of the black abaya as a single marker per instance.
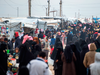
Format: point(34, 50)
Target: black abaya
point(77, 54)
point(83, 70)
point(57, 44)
point(25, 56)
point(37, 50)
point(3, 59)
point(58, 65)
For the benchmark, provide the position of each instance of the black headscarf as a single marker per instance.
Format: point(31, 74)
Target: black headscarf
point(83, 70)
point(25, 55)
point(77, 46)
point(57, 43)
point(82, 43)
point(59, 52)
point(33, 45)
point(3, 58)
point(37, 50)
point(77, 54)
point(58, 65)
point(97, 44)
point(83, 52)
point(23, 71)
point(3, 46)
point(68, 54)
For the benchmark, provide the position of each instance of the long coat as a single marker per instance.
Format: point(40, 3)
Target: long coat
point(68, 68)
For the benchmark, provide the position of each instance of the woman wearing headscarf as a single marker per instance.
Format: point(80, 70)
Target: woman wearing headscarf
point(77, 54)
point(35, 39)
point(90, 56)
point(25, 55)
point(97, 45)
point(26, 41)
point(37, 50)
point(3, 59)
point(68, 58)
point(89, 39)
point(58, 35)
point(58, 62)
point(82, 43)
point(78, 46)
point(30, 39)
point(69, 37)
point(57, 43)
point(82, 55)
point(33, 46)
point(63, 39)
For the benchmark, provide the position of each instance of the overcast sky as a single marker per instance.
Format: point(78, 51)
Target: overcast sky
point(87, 8)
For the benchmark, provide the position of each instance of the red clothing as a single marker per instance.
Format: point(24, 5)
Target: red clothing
point(51, 50)
point(43, 36)
point(36, 31)
point(16, 34)
point(96, 33)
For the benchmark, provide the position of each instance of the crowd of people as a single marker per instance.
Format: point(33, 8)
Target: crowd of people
point(74, 49)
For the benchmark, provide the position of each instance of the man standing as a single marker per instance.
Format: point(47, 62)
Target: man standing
point(17, 41)
point(38, 66)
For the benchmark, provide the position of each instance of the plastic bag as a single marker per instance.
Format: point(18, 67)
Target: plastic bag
point(50, 61)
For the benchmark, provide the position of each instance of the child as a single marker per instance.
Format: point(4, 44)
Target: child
point(16, 54)
point(46, 48)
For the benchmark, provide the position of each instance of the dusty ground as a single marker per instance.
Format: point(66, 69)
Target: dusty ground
point(51, 68)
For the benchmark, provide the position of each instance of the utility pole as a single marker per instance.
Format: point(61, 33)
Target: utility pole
point(46, 11)
point(60, 8)
point(48, 7)
point(92, 19)
point(78, 14)
point(17, 11)
point(29, 4)
point(96, 18)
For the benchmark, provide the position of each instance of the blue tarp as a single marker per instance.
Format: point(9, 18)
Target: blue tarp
point(96, 18)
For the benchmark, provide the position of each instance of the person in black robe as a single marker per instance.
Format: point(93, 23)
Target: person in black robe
point(27, 44)
point(98, 39)
point(23, 71)
point(3, 58)
point(69, 37)
point(82, 43)
point(78, 46)
point(58, 62)
point(97, 45)
point(95, 35)
point(37, 50)
point(58, 35)
point(77, 54)
point(74, 39)
point(89, 39)
point(32, 47)
point(40, 35)
point(25, 56)
point(83, 35)
point(83, 70)
point(57, 43)
point(68, 54)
